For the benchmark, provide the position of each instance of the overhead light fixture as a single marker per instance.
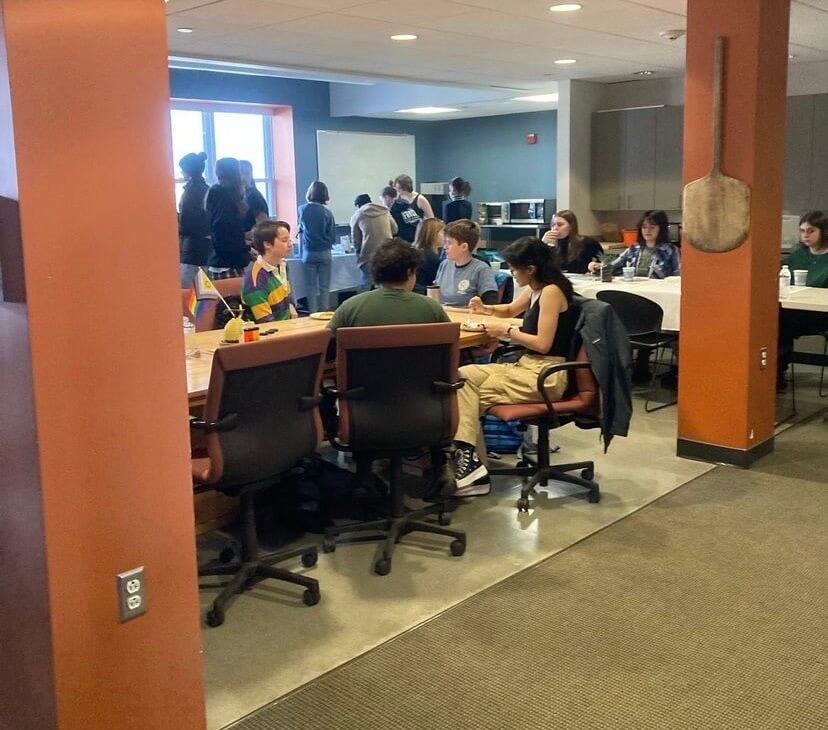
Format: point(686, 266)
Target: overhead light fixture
point(565, 61)
point(565, 7)
point(537, 97)
point(184, 30)
point(404, 37)
point(428, 110)
point(643, 73)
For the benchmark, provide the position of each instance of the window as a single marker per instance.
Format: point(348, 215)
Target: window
point(241, 134)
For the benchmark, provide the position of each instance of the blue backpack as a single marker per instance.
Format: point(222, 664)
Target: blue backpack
point(502, 437)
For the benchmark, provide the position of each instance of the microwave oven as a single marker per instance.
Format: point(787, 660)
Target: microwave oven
point(492, 213)
point(534, 210)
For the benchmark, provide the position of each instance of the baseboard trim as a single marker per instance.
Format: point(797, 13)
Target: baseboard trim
point(744, 458)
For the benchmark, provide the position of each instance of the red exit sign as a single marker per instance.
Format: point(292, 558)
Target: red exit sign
point(532, 138)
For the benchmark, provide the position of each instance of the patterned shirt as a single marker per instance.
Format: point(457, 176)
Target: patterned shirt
point(266, 290)
point(657, 263)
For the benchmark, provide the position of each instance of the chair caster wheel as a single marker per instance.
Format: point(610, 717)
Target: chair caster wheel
point(227, 555)
point(457, 548)
point(594, 497)
point(588, 474)
point(382, 566)
point(215, 617)
point(310, 598)
point(523, 504)
point(328, 546)
point(309, 559)
point(444, 519)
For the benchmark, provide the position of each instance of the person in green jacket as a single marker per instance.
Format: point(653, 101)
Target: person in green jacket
point(811, 256)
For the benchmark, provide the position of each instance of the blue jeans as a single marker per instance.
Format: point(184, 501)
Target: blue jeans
point(188, 273)
point(318, 266)
point(367, 281)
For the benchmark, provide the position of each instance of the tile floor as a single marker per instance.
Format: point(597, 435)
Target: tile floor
point(271, 643)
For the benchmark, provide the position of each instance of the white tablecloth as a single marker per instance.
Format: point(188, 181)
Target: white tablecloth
point(344, 274)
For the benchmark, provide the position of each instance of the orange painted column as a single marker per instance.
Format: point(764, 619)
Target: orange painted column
point(94, 453)
point(729, 304)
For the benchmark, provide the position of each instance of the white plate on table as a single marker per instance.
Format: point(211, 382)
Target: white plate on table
point(321, 315)
point(478, 327)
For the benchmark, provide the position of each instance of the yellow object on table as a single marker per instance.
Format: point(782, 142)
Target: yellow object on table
point(233, 330)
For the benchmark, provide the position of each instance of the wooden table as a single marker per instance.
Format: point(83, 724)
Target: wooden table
point(198, 368)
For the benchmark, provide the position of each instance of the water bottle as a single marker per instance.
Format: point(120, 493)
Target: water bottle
point(784, 282)
point(189, 329)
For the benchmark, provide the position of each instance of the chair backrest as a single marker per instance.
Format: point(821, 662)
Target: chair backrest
point(206, 312)
point(270, 386)
point(395, 369)
point(639, 315)
point(229, 287)
point(582, 392)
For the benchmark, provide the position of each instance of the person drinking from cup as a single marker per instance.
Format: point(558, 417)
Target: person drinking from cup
point(812, 258)
point(574, 252)
point(652, 255)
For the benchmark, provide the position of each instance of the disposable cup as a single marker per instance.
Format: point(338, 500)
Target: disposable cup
point(800, 277)
point(628, 273)
point(433, 292)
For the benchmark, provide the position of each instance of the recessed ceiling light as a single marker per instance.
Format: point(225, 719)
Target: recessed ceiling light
point(537, 97)
point(184, 30)
point(565, 61)
point(643, 73)
point(428, 110)
point(564, 7)
point(404, 37)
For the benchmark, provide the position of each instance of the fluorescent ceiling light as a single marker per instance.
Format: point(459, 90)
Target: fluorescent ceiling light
point(565, 7)
point(404, 37)
point(537, 97)
point(565, 61)
point(428, 110)
point(184, 30)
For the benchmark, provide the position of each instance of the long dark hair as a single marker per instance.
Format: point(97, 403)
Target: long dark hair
point(228, 175)
point(576, 241)
point(817, 219)
point(657, 218)
point(531, 251)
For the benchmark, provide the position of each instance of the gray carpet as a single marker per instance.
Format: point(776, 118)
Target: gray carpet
point(706, 609)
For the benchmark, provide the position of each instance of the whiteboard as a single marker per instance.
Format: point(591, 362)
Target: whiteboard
point(351, 163)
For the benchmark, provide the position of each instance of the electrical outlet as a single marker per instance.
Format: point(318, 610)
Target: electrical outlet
point(132, 594)
point(763, 358)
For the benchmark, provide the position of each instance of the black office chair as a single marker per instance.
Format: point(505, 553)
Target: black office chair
point(396, 387)
point(642, 319)
point(580, 405)
point(261, 420)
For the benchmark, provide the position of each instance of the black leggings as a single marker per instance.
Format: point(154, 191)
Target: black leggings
point(794, 323)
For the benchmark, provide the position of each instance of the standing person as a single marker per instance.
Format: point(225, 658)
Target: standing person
point(404, 186)
point(371, 226)
point(317, 234)
point(652, 255)
point(547, 331)
point(403, 214)
point(811, 256)
point(458, 206)
point(226, 206)
point(257, 209)
point(428, 241)
point(461, 276)
point(265, 286)
point(193, 220)
point(574, 251)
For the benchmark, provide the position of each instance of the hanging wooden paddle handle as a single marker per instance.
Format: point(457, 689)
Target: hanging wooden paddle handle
point(718, 73)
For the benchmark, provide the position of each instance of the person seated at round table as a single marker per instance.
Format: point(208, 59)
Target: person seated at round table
point(811, 256)
point(265, 287)
point(429, 241)
point(394, 271)
point(574, 251)
point(461, 276)
point(652, 255)
point(547, 331)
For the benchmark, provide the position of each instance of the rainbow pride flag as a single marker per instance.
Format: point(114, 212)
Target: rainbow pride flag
point(201, 291)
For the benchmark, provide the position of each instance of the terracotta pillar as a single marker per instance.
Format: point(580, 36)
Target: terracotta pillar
point(94, 469)
point(729, 300)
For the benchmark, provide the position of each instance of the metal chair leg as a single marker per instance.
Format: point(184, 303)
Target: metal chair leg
point(651, 389)
point(823, 393)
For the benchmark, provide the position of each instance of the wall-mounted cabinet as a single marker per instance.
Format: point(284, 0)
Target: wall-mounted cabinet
point(636, 159)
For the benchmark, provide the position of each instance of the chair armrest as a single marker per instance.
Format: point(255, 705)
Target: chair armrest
point(550, 370)
point(442, 387)
point(228, 423)
point(309, 402)
point(504, 350)
point(357, 393)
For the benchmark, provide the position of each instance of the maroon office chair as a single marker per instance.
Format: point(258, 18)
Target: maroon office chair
point(580, 405)
point(396, 386)
point(261, 420)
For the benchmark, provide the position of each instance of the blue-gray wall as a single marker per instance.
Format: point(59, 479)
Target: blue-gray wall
point(491, 152)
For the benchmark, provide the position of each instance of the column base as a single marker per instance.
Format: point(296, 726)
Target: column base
point(701, 451)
